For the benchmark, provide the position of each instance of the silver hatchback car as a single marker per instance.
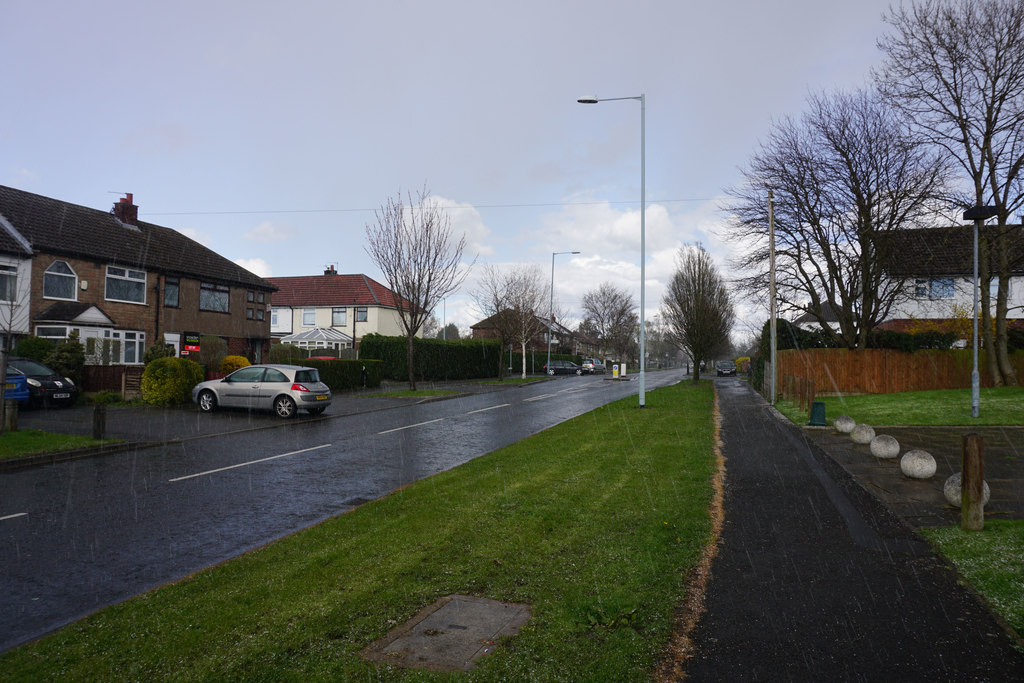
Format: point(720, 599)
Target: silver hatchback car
point(285, 389)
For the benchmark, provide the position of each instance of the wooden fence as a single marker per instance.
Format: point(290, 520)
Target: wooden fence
point(123, 379)
point(885, 371)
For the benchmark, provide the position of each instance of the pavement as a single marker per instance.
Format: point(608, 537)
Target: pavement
point(820, 573)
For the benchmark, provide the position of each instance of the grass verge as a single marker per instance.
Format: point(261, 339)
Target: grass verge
point(25, 442)
point(947, 407)
point(990, 560)
point(594, 523)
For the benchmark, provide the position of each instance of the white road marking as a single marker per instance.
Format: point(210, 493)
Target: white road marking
point(419, 424)
point(537, 398)
point(484, 410)
point(19, 514)
point(251, 462)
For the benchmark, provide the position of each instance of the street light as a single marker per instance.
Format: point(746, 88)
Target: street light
point(551, 304)
point(643, 211)
point(977, 214)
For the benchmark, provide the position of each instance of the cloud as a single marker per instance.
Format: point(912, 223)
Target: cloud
point(267, 232)
point(255, 265)
point(193, 234)
point(466, 220)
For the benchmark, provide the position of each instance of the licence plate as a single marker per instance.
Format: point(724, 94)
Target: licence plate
point(62, 395)
point(322, 397)
point(10, 385)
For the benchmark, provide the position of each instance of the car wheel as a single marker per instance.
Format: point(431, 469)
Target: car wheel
point(551, 372)
point(578, 372)
point(284, 406)
point(207, 401)
point(317, 411)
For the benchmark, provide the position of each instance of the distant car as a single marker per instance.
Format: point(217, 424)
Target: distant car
point(563, 367)
point(593, 366)
point(726, 368)
point(285, 389)
point(16, 387)
point(45, 386)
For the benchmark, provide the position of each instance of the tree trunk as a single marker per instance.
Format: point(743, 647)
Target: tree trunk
point(408, 360)
point(523, 345)
point(985, 323)
point(1006, 370)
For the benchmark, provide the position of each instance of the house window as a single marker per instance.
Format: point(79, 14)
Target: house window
point(273, 317)
point(361, 314)
point(55, 333)
point(126, 347)
point(213, 297)
point(171, 288)
point(920, 288)
point(249, 314)
point(59, 281)
point(260, 313)
point(8, 283)
point(250, 297)
point(940, 288)
point(124, 284)
point(261, 297)
point(338, 317)
point(309, 317)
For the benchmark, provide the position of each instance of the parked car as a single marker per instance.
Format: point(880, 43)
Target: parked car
point(725, 368)
point(16, 388)
point(285, 389)
point(45, 386)
point(563, 367)
point(593, 366)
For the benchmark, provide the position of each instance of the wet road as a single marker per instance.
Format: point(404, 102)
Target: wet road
point(80, 535)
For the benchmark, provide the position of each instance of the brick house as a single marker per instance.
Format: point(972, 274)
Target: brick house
point(122, 284)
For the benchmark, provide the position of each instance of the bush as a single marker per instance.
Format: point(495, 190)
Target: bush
point(161, 350)
point(35, 348)
point(436, 359)
point(212, 350)
point(345, 375)
point(68, 358)
point(231, 363)
point(167, 381)
point(287, 354)
point(105, 398)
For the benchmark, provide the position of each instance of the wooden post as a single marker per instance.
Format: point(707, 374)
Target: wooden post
point(810, 396)
point(11, 415)
point(99, 421)
point(972, 484)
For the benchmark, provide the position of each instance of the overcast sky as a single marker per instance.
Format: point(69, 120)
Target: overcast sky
point(270, 131)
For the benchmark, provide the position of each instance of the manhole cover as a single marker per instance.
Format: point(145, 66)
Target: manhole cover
point(451, 634)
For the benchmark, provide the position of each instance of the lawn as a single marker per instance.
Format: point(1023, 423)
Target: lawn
point(991, 561)
point(947, 407)
point(32, 442)
point(593, 523)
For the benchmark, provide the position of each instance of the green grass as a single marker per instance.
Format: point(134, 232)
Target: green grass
point(990, 560)
point(26, 442)
point(593, 523)
point(948, 407)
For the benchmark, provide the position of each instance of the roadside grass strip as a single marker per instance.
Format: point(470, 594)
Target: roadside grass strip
point(594, 523)
point(26, 442)
point(944, 408)
point(990, 560)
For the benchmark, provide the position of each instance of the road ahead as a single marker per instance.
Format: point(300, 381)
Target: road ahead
point(81, 535)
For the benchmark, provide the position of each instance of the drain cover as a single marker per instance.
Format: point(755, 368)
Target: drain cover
point(451, 634)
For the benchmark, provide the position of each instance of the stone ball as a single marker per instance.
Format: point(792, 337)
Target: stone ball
point(862, 434)
point(953, 491)
point(885, 446)
point(844, 424)
point(918, 464)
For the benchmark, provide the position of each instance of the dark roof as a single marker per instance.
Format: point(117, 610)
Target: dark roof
point(935, 252)
point(331, 290)
point(55, 227)
point(66, 311)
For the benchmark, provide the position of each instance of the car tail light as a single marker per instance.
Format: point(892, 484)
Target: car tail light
point(299, 387)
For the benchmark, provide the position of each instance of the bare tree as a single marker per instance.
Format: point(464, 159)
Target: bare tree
point(14, 320)
point(957, 69)
point(697, 306)
point(422, 262)
point(612, 313)
point(842, 174)
point(511, 300)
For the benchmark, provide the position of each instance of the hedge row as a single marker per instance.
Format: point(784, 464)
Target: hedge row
point(436, 359)
point(342, 375)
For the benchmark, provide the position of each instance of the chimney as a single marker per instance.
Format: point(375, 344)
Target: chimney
point(125, 211)
point(329, 270)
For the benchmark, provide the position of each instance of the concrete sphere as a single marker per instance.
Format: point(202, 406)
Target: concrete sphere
point(885, 446)
point(862, 434)
point(952, 489)
point(918, 464)
point(844, 424)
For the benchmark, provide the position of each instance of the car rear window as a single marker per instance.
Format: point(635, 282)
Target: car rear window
point(310, 375)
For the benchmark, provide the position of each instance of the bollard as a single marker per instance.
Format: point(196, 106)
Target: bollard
point(817, 414)
point(99, 422)
point(972, 491)
point(11, 415)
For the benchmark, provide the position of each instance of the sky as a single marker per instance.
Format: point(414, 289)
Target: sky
point(271, 132)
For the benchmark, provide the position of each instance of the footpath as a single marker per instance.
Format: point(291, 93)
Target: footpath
point(817, 579)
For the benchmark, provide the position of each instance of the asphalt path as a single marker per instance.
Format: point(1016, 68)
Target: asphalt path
point(81, 535)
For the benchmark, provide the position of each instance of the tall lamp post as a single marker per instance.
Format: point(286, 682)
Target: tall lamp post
point(551, 303)
point(977, 214)
point(643, 212)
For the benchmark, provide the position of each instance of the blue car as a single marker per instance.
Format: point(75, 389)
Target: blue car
point(17, 386)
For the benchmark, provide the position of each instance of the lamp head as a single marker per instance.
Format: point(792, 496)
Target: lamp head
point(588, 99)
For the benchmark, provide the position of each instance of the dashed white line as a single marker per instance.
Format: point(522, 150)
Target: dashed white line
point(418, 424)
point(18, 514)
point(484, 410)
point(251, 462)
point(537, 398)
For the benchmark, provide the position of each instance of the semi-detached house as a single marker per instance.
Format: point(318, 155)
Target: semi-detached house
point(120, 283)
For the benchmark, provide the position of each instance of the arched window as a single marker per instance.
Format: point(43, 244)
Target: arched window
point(59, 281)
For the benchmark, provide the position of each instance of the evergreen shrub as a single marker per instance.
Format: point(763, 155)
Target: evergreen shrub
point(231, 363)
point(167, 381)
